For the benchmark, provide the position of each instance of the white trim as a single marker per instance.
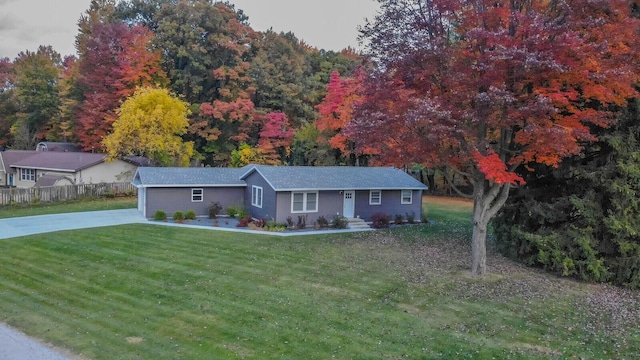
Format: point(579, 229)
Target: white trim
point(257, 193)
point(342, 189)
point(194, 195)
point(410, 197)
point(305, 194)
point(371, 197)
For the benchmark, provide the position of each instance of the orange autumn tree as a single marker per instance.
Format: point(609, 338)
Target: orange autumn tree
point(336, 111)
point(488, 87)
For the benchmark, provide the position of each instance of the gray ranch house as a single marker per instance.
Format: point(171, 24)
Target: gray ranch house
point(279, 192)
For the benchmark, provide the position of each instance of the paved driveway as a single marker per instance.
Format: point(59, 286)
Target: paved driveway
point(13, 344)
point(40, 224)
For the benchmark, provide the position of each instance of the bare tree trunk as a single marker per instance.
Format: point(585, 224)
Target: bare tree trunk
point(488, 199)
point(479, 243)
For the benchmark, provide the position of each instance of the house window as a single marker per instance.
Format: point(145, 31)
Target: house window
point(375, 197)
point(28, 174)
point(304, 202)
point(256, 196)
point(407, 196)
point(197, 195)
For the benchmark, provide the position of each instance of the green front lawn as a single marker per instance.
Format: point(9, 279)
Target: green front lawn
point(20, 210)
point(155, 292)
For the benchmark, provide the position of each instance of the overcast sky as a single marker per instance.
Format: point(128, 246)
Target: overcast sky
point(326, 24)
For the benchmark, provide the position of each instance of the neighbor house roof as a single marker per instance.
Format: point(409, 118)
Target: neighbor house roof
point(10, 157)
point(291, 178)
point(180, 177)
point(58, 161)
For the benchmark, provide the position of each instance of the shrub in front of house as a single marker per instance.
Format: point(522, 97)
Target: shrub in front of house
point(214, 210)
point(242, 213)
point(272, 225)
point(340, 222)
point(380, 221)
point(160, 215)
point(244, 221)
point(302, 222)
point(232, 211)
point(190, 215)
point(178, 216)
point(411, 218)
point(322, 222)
point(398, 219)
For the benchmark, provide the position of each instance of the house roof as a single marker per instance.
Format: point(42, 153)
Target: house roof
point(10, 157)
point(282, 178)
point(181, 177)
point(57, 161)
point(292, 178)
point(48, 180)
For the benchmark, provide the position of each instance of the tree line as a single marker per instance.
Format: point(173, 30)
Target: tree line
point(243, 89)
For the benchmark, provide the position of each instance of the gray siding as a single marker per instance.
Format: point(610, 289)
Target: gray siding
point(329, 204)
point(268, 210)
point(171, 200)
point(391, 204)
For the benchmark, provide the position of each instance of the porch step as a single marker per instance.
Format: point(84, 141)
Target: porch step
point(355, 223)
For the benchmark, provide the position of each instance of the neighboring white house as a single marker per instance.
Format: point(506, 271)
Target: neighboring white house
point(24, 168)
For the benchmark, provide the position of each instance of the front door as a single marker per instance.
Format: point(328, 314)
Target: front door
point(10, 182)
point(349, 204)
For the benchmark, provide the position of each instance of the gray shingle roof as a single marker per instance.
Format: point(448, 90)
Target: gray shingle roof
point(288, 178)
point(179, 177)
point(282, 178)
point(59, 161)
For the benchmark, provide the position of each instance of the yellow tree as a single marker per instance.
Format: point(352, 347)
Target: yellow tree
point(149, 124)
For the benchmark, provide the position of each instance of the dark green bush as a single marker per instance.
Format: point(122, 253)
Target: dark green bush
point(178, 216)
point(232, 211)
point(398, 219)
point(160, 215)
point(190, 215)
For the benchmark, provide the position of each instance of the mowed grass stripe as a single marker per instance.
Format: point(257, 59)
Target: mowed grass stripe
point(172, 282)
point(144, 291)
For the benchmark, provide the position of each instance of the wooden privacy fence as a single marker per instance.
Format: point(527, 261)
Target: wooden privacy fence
point(63, 193)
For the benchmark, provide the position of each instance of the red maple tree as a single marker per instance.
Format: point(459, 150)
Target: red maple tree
point(115, 60)
point(275, 138)
point(337, 109)
point(485, 87)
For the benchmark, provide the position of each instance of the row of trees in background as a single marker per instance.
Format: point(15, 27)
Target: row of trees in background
point(242, 87)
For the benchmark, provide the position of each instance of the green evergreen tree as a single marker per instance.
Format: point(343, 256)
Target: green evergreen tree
point(583, 218)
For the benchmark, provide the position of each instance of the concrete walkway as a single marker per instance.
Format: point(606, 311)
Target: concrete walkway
point(15, 345)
